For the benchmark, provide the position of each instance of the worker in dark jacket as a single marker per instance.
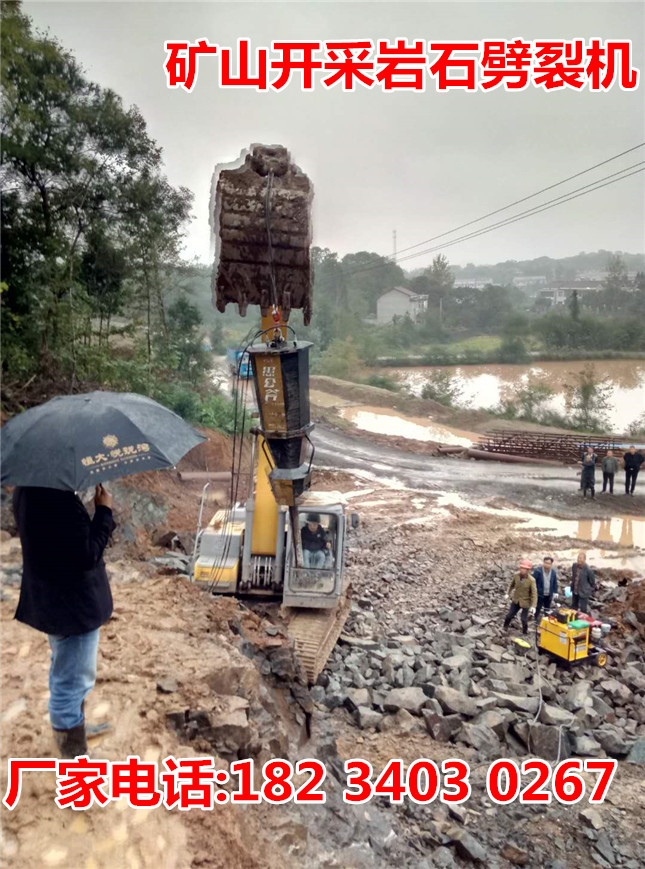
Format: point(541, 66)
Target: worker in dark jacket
point(610, 465)
point(546, 583)
point(66, 594)
point(315, 542)
point(632, 460)
point(583, 583)
point(588, 476)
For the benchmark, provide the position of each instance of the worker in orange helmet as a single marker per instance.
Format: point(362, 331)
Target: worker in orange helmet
point(523, 594)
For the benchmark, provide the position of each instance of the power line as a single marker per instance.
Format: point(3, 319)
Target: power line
point(519, 201)
point(545, 206)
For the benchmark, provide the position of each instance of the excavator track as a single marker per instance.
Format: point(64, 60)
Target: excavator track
point(315, 633)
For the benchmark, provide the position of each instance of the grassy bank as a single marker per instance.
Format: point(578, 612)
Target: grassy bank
point(450, 356)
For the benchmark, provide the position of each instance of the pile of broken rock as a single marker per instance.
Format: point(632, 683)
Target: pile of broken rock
point(470, 684)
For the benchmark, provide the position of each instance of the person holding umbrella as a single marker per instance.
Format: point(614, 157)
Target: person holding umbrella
point(66, 594)
point(50, 453)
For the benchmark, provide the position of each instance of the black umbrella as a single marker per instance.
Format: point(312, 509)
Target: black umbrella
point(76, 441)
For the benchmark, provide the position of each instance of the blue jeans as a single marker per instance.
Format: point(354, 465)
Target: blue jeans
point(72, 675)
point(314, 558)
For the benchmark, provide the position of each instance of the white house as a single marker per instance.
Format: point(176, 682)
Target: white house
point(398, 302)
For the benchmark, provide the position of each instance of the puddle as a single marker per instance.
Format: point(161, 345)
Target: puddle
point(624, 531)
point(387, 422)
point(326, 399)
point(357, 493)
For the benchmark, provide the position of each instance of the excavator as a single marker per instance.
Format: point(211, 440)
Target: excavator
point(285, 541)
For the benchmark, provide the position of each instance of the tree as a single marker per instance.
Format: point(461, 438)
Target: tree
point(526, 401)
point(184, 346)
point(365, 277)
point(588, 399)
point(574, 306)
point(440, 281)
point(616, 278)
point(339, 360)
point(89, 219)
point(443, 387)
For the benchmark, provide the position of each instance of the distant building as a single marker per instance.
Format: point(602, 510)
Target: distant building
point(398, 302)
point(554, 296)
point(530, 281)
point(472, 283)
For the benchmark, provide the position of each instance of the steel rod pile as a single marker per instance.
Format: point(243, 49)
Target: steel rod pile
point(566, 448)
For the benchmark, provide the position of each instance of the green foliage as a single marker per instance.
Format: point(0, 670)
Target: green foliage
point(443, 387)
point(382, 381)
point(214, 410)
point(218, 341)
point(526, 402)
point(574, 306)
point(90, 223)
point(339, 360)
point(183, 344)
point(588, 399)
point(512, 350)
point(616, 278)
point(637, 427)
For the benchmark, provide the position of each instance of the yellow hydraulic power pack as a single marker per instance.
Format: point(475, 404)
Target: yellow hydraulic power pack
point(565, 637)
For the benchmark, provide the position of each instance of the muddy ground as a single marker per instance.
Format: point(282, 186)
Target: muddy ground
point(434, 526)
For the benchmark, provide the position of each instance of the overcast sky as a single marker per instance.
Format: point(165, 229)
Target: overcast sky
point(420, 163)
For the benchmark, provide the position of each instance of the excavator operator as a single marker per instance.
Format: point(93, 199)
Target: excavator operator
point(315, 542)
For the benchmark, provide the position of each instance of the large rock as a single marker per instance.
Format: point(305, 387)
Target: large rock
point(578, 696)
point(493, 719)
point(603, 709)
point(481, 737)
point(442, 727)
point(519, 704)
point(357, 697)
point(453, 701)
point(545, 741)
point(229, 729)
point(637, 753)
point(586, 746)
point(366, 717)
point(618, 691)
point(456, 662)
point(468, 846)
point(412, 699)
point(555, 715)
point(507, 672)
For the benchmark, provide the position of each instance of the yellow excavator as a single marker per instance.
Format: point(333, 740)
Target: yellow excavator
point(285, 541)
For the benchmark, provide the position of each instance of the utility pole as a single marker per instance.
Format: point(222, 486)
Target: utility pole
point(394, 244)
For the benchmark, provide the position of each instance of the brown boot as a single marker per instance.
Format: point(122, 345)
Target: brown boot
point(72, 742)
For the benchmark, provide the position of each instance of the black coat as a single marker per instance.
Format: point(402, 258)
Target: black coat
point(65, 589)
point(315, 541)
point(633, 461)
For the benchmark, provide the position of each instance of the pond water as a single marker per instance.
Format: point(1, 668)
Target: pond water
point(484, 386)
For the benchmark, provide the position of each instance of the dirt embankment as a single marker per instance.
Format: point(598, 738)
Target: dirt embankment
point(478, 421)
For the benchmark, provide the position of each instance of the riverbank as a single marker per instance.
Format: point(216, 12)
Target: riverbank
point(441, 357)
point(332, 398)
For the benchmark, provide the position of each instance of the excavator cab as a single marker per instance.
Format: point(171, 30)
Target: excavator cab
point(317, 579)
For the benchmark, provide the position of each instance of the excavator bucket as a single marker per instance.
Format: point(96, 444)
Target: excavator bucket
point(262, 228)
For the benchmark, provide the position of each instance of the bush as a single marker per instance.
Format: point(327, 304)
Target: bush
point(383, 382)
point(443, 387)
point(637, 427)
point(512, 349)
point(339, 360)
point(526, 403)
point(215, 411)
